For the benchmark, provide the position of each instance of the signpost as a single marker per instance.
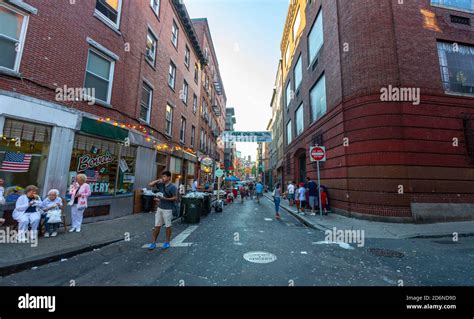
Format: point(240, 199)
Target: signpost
point(318, 154)
point(219, 174)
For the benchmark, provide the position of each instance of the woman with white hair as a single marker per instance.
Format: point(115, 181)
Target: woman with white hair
point(52, 208)
point(79, 192)
point(28, 212)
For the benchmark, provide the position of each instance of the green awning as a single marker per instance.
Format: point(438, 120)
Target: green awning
point(106, 130)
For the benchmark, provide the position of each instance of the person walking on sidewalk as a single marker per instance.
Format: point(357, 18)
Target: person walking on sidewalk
point(277, 200)
point(259, 191)
point(80, 192)
point(167, 197)
point(313, 195)
point(291, 193)
point(301, 193)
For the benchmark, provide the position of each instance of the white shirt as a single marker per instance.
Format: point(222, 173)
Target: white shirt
point(2, 199)
point(195, 185)
point(291, 189)
point(302, 193)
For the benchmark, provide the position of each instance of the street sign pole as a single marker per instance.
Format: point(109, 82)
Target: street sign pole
point(319, 192)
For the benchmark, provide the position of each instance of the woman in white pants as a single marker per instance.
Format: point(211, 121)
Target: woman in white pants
point(27, 212)
point(79, 192)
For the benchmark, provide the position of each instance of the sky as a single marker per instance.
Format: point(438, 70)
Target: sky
point(246, 36)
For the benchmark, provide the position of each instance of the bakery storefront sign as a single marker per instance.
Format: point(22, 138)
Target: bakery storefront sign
point(88, 161)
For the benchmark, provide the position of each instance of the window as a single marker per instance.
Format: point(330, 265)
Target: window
point(193, 133)
point(299, 120)
point(172, 75)
point(12, 37)
point(155, 5)
point(196, 73)
point(182, 130)
point(298, 73)
point(151, 47)
point(187, 57)
point(289, 94)
point(463, 5)
point(169, 119)
point(195, 102)
point(457, 67)
point(289, 135)
point(184, 93)
point(99, 74)
point(296, 25)
point(109, 10)
point(315, 38)
point(146, 103)
point(206, 53)
point(201, 139)
point(318, 99)
point(174, 34)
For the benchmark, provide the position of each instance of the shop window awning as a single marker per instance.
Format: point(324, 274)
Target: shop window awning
point(102, 129)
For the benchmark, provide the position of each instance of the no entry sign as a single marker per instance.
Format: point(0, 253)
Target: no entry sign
point(317, 154)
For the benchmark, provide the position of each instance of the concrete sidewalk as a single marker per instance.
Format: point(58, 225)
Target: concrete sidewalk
point(380, 229)
point(17, 257)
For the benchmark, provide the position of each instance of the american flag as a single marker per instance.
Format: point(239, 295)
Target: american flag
point(92, 176)
point(16, 162)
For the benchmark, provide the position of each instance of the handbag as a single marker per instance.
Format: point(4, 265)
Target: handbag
point(54, 216)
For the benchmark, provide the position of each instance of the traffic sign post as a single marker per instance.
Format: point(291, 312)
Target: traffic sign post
point(219, 174)
point(318, 154)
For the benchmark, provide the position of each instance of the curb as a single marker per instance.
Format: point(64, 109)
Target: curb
point(313, 225)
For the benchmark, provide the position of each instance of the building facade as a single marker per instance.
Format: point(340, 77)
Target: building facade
point(230, 149)
point(388, 89)
point(113, 99)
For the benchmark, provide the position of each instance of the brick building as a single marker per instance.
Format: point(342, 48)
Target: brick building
point(352, 71)
point(143, 60)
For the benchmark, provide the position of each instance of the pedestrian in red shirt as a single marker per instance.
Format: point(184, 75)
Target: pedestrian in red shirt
point(324, 201)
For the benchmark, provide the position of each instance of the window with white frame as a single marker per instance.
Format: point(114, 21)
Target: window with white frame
point(99, 75)
point(187, 57)
point(196, 73)
point(299, 116)
point(193, 133)
point(317, 97)
point(296, 24)
point(169, 119)
point(457, 67)
point(298, 71)
point(12, 37)
point(146, 102)
point(289, 94)
point(172, 75)
point(201, 140)
point(195, 102)
point(110, 10)
point(463, 5)
point(315, 38)
point(151, 44)
point(184, 93)
point(174, 34)
point(182, 130)
point(155, 5)
point(289, 134)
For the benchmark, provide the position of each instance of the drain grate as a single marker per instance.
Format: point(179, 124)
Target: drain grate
point(386, 253)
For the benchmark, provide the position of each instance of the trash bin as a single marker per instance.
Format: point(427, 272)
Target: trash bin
point(148, 202)
point(191, 207)
point(206, 204)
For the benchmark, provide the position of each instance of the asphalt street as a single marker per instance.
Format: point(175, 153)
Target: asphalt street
point(212, 254)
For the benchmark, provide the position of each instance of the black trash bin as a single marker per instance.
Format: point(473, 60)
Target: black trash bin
point(192, 209)
point(148, 202)
point(206, 204)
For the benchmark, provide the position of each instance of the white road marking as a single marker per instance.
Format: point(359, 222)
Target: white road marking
point(268, 219)
point(341, 244)
point(178, 241)
point(304, 253)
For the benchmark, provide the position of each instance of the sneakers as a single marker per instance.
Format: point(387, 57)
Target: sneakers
point(72, 230)
point(166, 245)
point(151, 246)
point(313, 214)
point(53, 234)
point(46, 235)
point(78, 230)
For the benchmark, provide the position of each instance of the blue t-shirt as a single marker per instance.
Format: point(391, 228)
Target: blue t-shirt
point(168, 191)
point(259, 188)
point(313, 189)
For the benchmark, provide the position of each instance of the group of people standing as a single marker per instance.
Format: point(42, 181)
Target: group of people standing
point(30, 209)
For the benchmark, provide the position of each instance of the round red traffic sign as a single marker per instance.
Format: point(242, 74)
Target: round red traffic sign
point(318, 153)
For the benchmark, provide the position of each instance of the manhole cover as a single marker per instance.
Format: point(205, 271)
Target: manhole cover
point(386, 253)
point(445, 242)
point(259, 257)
